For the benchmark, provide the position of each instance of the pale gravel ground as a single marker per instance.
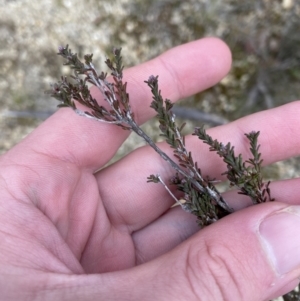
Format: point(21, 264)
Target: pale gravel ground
point(30, 32)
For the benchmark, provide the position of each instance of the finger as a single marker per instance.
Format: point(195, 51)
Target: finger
point(278, 139)
point(242, 257)
point(164, 233)
point(286, 191)
point(176, 225)
point(147, 201)
point(182, 71)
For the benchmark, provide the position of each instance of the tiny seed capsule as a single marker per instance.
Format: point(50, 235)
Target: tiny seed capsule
point(182, 201)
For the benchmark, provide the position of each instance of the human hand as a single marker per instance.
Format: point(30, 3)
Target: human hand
point(68, 232)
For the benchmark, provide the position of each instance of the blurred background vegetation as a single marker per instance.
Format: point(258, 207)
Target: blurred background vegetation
point(263, 36)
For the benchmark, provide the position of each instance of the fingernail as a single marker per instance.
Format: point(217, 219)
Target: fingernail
point(281, 240)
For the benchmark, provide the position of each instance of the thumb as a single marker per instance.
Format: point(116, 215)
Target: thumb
point(250, 255)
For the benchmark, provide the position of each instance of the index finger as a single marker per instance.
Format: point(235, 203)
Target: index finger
point(183, 71)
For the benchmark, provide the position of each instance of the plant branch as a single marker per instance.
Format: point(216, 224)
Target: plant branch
point(200, 196)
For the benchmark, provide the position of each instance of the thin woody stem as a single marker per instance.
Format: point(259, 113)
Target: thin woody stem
point(100, 84)
point(84, 114)
point(215, 195)
point(170, 192)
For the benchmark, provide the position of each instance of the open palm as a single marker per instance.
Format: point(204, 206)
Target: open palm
point(60, 216)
